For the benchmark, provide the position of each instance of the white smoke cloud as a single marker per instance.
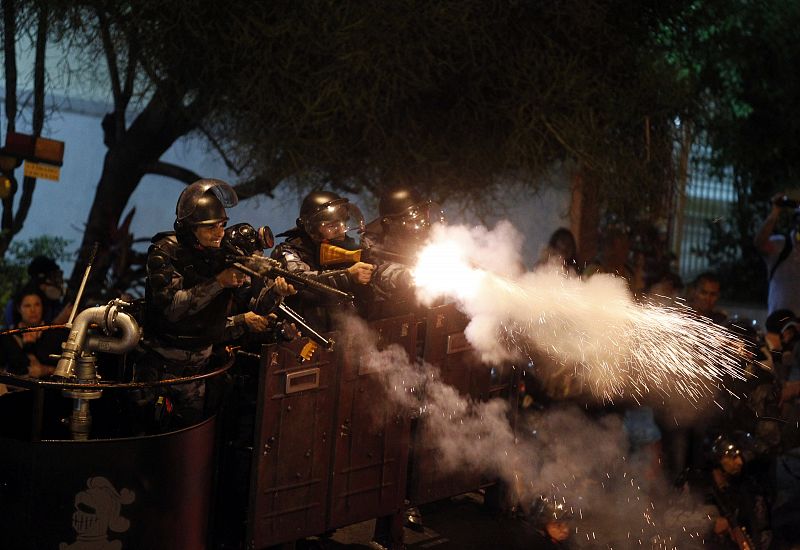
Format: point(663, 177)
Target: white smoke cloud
point(563, 453)
point(617, 346)
point(590, 329)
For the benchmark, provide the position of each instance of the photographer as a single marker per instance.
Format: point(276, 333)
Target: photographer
point(780, 252)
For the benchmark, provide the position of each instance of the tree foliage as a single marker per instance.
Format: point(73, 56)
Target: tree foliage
point(459, 96)
point(740, 59)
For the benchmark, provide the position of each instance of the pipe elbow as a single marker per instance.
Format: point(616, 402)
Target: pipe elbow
point(130, 334)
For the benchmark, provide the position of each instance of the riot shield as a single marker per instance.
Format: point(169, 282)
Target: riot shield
point(446, 348)
point(373, 430)
point(293, 436)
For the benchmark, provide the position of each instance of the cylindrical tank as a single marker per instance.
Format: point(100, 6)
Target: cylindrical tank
point(151, 492)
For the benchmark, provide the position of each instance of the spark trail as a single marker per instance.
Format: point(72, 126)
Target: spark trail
point(616, 346)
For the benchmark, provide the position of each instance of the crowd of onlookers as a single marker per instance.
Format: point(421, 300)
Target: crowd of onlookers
point(741, 452)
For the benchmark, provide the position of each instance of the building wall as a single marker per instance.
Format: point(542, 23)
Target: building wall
point(61, 208)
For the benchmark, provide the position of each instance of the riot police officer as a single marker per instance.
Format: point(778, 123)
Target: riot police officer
point(392, 240)
point(325, 218)
point(552, 520)
point(406, 219)
point(404, 224)
point(743, 513)
point(189, 292)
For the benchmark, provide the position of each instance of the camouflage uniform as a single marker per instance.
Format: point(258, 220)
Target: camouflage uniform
point(392, 284)
point(186, 314)
point(299, 254)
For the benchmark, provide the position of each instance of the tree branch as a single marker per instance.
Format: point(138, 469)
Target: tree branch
point(9, 50)
point(120, 102)
point(258, 185)
point(111, 56)
point(130, 69)
point(10, 54)
point(28, 183)
point(584, 158)
point(218, 146)
point(171, 171)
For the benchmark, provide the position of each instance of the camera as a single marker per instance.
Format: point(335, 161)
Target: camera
point(786, 202)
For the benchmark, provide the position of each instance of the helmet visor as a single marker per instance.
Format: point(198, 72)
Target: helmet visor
point(418, 218)
point(190, 198)
point(335, 222)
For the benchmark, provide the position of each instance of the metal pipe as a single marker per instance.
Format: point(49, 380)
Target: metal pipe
point(78, 297)
point(130, 335)
point(110, 319)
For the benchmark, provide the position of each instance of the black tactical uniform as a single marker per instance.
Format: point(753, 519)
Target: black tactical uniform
point(394, 239)
point(300, 253)
point(186, 310)
point(736, 494)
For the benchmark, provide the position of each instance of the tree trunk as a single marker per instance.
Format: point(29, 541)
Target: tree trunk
point(157, 127)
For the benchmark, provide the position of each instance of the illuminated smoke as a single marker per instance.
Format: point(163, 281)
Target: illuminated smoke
point(594, 329)
point(582, 462)
point(616, 346)
point(464, 434)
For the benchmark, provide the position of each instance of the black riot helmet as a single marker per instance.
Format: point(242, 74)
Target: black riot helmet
point(403, 211)
point(397, 200)
point(726, 445)
point(737, 443)
point(546, 509)
point(204, 203)
point(325, 216)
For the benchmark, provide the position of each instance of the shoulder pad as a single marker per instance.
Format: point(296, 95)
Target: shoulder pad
point(280, 250)
point(164, 235)
point(167, 243)
point(162, 252)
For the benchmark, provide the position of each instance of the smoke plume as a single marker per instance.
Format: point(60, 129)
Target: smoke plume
point(617, 346)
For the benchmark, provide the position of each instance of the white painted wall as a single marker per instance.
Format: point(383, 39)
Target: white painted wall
point(61, 208)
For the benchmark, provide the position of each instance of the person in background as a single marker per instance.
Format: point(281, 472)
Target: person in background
point(704, 293)
point(29, 353)
point(778, 347)
point(562, 251)
point(781, 255)
point(46, 278)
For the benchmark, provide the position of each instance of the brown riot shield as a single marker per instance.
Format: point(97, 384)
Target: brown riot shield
point(504, 384)
point(373, 432)
point(447, 348)
point(292, 452)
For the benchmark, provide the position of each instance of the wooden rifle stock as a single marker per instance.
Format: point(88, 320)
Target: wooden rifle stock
point(330, 254)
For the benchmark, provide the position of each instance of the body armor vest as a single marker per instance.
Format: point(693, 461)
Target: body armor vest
point(205, 327)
